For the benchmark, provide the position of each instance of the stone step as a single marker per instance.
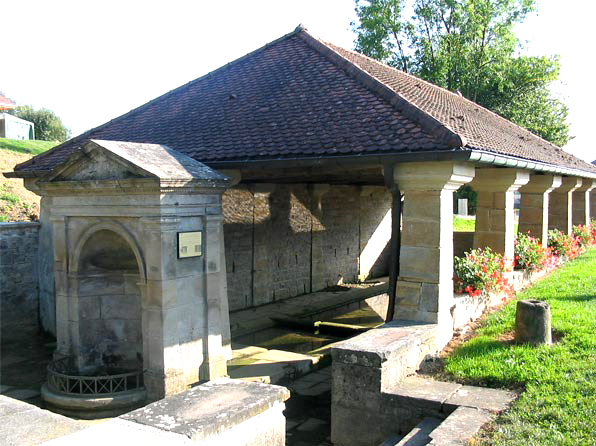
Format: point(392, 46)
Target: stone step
point(420, 435)
point(445, 397)
point(392, 440)
point(460, 426)
point(270, 366)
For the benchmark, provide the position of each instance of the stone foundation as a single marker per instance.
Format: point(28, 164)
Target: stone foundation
point(368, 365)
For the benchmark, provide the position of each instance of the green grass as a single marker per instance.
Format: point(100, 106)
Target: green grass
point(32, 147)
point(11, 198)
point(558, 406)
point(464, 224)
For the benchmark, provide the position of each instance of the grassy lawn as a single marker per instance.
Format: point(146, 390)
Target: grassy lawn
point(31, 147)
point(558, 406)
point(17, 203)
point(461, 224)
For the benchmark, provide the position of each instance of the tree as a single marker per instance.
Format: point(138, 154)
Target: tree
point(467, 46)
point(48, 126)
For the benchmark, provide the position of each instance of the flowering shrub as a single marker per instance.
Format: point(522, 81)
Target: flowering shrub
point(529, 253)
point(563, 244)
point(481, 271)
point(584, 235)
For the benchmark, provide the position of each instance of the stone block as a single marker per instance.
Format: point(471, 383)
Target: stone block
point(420, 263)
point(125, 306)
point(460, 426)
point(89, 308)
point(350, 427)
point(492, 400)
point(429, 297)
point(101, 285)
point(421, 393)
point(240, 401)
point(408, 293)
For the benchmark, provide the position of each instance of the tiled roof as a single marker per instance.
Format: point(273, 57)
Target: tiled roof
point(6, 104)
point(300, 97)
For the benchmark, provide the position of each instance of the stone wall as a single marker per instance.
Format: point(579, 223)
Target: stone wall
point(285, 240)
point(19, 311)
point(462, 242)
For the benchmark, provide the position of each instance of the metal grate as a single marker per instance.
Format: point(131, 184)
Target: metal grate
point(63, 382)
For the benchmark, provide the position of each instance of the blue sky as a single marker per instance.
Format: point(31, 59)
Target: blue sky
point(91, 61)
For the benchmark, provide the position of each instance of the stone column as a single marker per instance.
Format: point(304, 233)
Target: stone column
point(533, 213)
point(560, 209)
point(592, 204)
point(67, 328)
point(581, 202)
point(425, 283)
point(495, 213)
point(164, 361)
point(216, 341)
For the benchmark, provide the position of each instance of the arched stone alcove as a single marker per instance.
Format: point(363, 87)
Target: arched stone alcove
point(109, 305)
point(128, 294)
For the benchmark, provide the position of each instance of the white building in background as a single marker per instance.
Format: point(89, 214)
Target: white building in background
point(15, 128)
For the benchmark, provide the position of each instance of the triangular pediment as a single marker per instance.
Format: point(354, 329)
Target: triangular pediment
point(117, 160)
point(96, 165)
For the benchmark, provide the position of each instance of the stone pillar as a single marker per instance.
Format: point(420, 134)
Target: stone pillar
point(425, 283)
point(533, 213)
point(560, 209)
point(47, 299)
point(495, 213)
point(581, 202)
point(216, 340)
point(67, 329)
point(592, 204)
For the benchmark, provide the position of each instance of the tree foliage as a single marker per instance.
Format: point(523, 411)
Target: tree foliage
point(467, 46)
point(48, 125)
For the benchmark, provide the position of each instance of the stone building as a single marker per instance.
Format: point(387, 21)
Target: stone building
point(305, 149)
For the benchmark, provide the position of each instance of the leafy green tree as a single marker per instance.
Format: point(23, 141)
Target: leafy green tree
point(48, 126)
point(467, 46)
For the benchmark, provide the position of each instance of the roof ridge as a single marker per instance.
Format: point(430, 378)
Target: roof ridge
point(166, 95)
point(438, 87)
point(376, 86)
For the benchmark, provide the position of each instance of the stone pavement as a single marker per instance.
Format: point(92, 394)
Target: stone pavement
point(23, 424)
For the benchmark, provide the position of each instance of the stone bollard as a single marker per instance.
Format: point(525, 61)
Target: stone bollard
point(532, 322)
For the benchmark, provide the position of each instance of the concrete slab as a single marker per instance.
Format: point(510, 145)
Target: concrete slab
point(494, 400)
point(260, 372)
point(209, 409)
point(423, 392)
point(23, 424)
point(118, 432)
point(419, 436)
point(243, 351)
point(461, 425)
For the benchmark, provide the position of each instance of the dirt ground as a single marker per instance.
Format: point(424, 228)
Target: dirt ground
point(16, 202)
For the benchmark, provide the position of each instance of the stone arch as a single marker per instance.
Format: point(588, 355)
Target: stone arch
point(108, 270)
point(120, 230)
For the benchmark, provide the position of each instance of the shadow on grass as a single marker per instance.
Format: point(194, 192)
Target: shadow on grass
point(584, 298)
point(482, 347)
